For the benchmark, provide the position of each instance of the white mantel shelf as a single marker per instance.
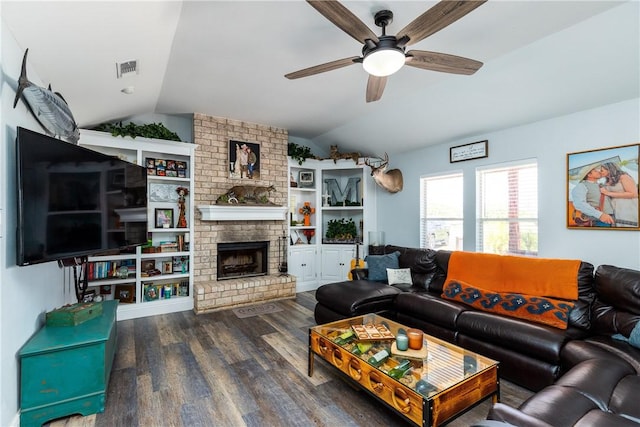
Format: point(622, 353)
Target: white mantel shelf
point(242, 213)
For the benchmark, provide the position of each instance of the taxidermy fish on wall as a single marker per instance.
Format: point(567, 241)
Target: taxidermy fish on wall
point(49, 108)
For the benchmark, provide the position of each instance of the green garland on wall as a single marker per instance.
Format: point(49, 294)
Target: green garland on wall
point(153, 130)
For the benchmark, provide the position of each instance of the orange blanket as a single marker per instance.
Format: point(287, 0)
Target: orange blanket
point(557, 278)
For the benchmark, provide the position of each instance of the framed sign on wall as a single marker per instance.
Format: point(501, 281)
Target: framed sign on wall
point(474, 150)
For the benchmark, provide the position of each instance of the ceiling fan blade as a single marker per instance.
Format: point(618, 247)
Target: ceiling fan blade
point(375, 87)
point(437, 18)
point(344, 19)
point(333, 65)
point(442, 62)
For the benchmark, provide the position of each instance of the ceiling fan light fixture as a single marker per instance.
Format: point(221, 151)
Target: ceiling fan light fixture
point(383, 62)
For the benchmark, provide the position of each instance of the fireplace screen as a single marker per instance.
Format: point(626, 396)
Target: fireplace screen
point(242, 259)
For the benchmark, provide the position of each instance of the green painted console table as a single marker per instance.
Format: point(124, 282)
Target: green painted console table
point(64, 370)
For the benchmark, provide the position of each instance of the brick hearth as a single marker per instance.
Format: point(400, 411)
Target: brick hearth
point(212, 135)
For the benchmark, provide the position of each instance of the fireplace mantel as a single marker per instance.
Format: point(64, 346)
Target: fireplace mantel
point(242, 213)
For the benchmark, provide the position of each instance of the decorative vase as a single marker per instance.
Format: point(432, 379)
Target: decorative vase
point(309, 234)
point(307, 220)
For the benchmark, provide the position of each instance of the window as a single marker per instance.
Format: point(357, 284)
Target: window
point(507, 210)
point(441, 212)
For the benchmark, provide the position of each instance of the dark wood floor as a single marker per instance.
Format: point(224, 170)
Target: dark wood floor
point(218, 370)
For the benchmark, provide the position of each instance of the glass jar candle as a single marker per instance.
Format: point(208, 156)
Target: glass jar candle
point(415, 338)
point(402, 342)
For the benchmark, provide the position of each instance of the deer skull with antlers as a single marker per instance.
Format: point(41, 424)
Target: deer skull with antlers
point(389, 180)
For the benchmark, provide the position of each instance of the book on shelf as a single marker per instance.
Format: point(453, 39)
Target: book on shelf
point(98, 270)
point(168, 247)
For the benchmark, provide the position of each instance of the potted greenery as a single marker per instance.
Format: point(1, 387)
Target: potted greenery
point(341, 231)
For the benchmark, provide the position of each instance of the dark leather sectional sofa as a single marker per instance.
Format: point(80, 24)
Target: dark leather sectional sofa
point(582, 375)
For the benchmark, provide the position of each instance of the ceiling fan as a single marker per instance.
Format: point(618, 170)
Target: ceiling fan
point(384, 55)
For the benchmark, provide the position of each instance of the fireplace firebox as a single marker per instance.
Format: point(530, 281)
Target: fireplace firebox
point(242, 259)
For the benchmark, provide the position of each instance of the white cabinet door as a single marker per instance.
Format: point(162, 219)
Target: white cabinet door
point(302, 264)
point(336, 263)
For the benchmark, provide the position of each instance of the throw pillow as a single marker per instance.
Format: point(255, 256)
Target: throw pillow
point(399, 275)
point(378, 264)
point(547, 311)
point(634, 337)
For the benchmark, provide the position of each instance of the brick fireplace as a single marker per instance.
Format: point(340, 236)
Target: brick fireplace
point(212, 179)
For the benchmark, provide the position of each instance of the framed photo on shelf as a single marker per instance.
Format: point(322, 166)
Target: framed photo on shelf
point(164, 218)
point(147, 265)
point(167, 267)
point(126, 293)
point(602, 189)
point(180, 264)
point(151, 292)
point(305, 178)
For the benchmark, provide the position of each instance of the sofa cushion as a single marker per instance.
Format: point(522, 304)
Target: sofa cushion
point(580, 316)
point(597, 379)
point(619, 288)
point(351, 298)
point(423, 264)
point(561, 406)
point(378, 264)
point(430, 308)
point(605, 348)
point(535, 340)
point(621, 349)
point(547, 311)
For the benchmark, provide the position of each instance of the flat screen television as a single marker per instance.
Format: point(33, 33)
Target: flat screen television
point(70, 199)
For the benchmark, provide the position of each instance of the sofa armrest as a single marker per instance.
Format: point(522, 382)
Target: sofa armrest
point(505, 413)
point(360, 273)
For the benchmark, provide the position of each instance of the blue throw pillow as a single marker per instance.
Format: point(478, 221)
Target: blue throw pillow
point(378, 264)
point(634, 336)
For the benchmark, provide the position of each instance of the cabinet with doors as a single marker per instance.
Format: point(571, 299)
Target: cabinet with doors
point(342, 196)
point(302, 264)
point(157, 277)
point(336, 262)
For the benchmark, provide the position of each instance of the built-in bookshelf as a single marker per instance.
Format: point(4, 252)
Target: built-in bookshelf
point(157, 277)
point(339, 193)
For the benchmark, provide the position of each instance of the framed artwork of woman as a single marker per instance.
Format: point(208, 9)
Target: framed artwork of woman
point(602, 188)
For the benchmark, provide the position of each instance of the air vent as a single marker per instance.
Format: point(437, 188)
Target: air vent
point(127, 68)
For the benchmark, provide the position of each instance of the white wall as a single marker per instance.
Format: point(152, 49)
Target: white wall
point(26, 293)
point(316, 150)
point(547, 141)
point(181, 124)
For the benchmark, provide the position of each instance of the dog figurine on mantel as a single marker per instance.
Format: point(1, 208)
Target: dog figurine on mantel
point(257, 194)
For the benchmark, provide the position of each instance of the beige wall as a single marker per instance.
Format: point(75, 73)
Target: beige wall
point(212, 135)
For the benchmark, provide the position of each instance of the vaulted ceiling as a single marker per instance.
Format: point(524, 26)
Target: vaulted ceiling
point(229, 58)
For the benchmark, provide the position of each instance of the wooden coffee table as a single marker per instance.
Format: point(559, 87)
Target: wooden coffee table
point(443, 381)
